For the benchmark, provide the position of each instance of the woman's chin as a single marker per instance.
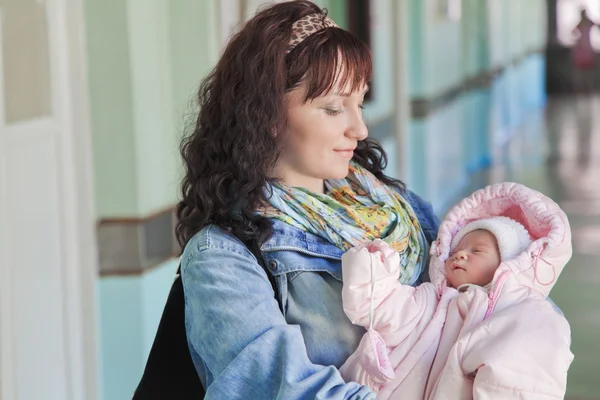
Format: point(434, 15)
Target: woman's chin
point(340, 172)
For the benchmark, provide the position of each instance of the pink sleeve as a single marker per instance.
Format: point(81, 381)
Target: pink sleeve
point(373, 296)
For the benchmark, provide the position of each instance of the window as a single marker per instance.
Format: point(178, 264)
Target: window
point(25, 51)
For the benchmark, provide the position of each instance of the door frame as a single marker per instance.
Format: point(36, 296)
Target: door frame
point(70, 105)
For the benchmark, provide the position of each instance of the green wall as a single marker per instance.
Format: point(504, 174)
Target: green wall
point(146, 59)
point(491, 33)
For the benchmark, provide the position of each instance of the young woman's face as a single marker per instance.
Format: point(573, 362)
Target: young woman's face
point(321, 137)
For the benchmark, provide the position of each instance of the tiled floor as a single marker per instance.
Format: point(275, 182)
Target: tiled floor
point(557, 152)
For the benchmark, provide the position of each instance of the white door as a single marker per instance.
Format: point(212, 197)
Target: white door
point(47, 255)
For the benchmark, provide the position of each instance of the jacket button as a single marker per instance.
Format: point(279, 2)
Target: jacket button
point(272, 265)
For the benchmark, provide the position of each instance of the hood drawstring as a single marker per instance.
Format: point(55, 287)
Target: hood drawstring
point(536, 258)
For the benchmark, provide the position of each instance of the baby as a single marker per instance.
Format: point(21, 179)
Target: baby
point(483, 327)
point(479, 247)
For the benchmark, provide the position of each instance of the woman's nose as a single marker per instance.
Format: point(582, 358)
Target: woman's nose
point(357, 129)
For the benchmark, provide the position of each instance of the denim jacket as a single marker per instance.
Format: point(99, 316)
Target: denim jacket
point(247, 344)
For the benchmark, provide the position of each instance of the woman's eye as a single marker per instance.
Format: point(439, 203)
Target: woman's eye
point(362, 106)
point(331, 111)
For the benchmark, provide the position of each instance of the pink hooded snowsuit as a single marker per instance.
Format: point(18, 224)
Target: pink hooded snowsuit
point(435, 342)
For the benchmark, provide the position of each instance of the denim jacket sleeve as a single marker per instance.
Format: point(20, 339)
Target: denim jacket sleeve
point(238, 336)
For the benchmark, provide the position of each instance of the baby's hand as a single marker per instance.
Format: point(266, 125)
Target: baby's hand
point(377, 254)
point(370, 272)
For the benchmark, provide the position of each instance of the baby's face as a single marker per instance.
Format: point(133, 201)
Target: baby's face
point(474, 260)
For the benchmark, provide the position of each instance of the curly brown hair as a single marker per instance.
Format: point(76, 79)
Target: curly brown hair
point(232, 150)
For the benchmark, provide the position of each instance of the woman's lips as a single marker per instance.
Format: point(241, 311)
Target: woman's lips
point(346, 153)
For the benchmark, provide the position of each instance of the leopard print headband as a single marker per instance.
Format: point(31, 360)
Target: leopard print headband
point(307, 26)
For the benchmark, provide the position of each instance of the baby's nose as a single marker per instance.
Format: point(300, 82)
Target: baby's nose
point(461, 255)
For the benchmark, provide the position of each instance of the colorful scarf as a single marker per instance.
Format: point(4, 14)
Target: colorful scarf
point(354, 210)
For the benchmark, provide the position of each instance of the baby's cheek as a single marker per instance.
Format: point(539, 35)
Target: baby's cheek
point(447, 265)
point(489, 273)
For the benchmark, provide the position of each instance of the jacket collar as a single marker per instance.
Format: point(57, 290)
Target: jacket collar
point(286, 237)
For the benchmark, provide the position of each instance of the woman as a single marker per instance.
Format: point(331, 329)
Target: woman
point(583, 56)
point(280, 173)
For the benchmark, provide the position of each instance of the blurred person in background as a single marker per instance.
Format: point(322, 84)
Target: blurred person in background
point(583, 56)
